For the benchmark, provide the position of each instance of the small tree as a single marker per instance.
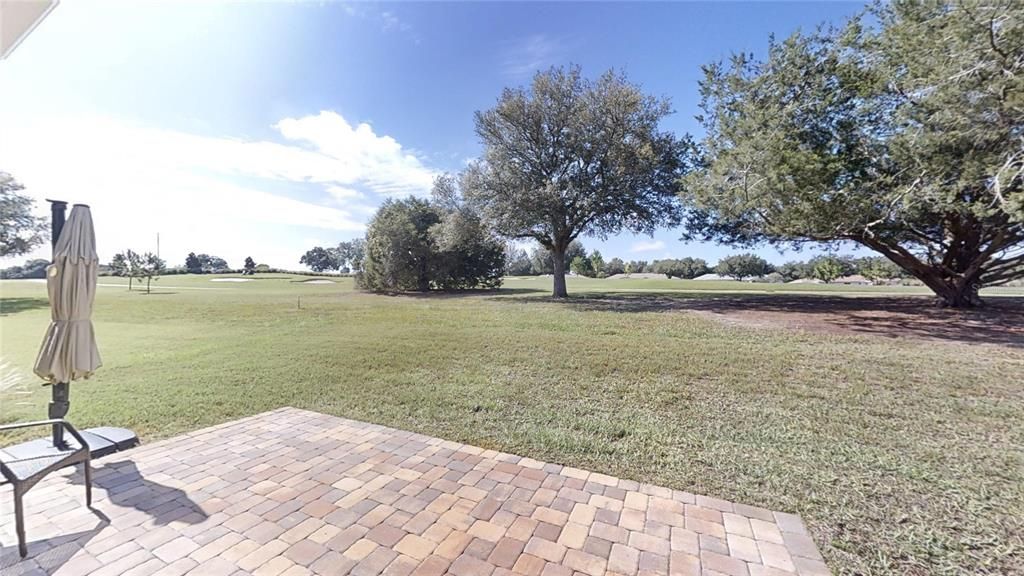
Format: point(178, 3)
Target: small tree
point(794, 270)
point(687, 268)
point(517, 261)
point(543, 263)
point(615, 266)
point(20, 231)
point(150, 267)
point(694, 267)
point(740, 266)
point(250, 266)
point(636, 267)
point(827, 269)
point(878, 268)
point(133, 267)
point(119, 265)
point(582, 266)
point(571, 157)
point(205, 264)
point(193, 264)
point(416, 244)
point(213, 264)
point(597, 264)
point(350, 254)
point(467, 253)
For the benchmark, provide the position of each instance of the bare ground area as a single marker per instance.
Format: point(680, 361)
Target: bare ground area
point(1000, 321)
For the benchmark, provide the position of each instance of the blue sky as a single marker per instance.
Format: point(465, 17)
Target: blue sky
point(265, 128)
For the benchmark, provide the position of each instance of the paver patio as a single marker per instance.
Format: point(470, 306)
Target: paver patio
point(295, 492)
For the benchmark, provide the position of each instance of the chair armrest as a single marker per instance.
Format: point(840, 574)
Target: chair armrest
point(17, 425)
point(67, 426)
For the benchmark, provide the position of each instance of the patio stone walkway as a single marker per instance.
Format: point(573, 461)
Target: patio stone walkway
point(295, 492)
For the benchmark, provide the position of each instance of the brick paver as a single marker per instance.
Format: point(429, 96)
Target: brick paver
point(300, 493)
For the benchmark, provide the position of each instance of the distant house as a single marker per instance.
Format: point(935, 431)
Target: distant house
point(854, 279)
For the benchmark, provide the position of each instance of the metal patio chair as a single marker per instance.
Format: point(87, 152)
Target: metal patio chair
point(25, 471)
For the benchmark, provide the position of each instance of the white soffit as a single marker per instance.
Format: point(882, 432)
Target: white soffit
point(18, 18)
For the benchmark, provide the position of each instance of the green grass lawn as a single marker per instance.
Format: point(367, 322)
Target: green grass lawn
point(904, 456)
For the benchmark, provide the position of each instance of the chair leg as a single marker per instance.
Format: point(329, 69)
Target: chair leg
point(88, 484)
point(19, 524)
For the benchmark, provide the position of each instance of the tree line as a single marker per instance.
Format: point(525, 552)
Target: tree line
point(825, 267)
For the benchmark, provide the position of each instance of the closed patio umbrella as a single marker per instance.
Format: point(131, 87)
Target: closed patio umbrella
point(69, 348)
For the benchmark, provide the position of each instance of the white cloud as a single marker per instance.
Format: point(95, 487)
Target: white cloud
point(140, 181)
point(355, 154)
point(531, 54)
point(342, 194)
point(647, 246)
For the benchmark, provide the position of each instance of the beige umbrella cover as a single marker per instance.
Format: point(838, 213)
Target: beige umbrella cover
point(69, 347)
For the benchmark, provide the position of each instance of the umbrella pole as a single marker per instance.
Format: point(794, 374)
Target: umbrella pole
point(60, 391)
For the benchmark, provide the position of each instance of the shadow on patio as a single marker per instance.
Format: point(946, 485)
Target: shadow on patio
point(126, 487)
point(58, 549)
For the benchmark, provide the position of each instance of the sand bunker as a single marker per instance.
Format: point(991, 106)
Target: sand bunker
point(230, 279)
point(318, 282)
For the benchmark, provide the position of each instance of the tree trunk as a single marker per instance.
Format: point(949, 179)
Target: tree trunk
point(558, 259)
point(955, 288)
point(130, 283)
point(955, 293)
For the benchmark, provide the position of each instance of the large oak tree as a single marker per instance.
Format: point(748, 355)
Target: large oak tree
point(903, 132)
point(570, 156)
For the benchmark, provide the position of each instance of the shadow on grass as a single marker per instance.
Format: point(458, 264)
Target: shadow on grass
point(128, 488)
point(496, 293)
point(10, 306)
point(1000, 321)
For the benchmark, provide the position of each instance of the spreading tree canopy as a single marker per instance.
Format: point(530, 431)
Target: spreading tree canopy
point(740, 266)
point(903, 132)
point(204, 264)
point(320, 259)
point(571, 156)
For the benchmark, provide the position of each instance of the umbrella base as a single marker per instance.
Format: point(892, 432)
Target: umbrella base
point(102, 441)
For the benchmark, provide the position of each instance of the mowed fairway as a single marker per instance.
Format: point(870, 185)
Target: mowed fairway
point(904, 455)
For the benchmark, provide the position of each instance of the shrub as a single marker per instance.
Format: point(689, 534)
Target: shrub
point(421, 245)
